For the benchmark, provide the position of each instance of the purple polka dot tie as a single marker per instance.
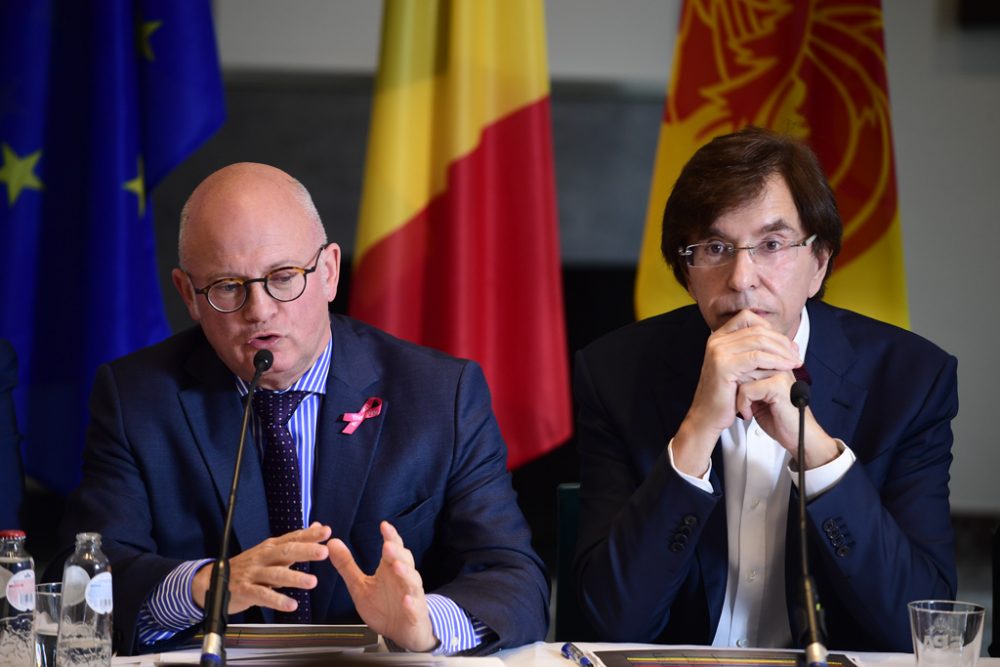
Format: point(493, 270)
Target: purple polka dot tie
point(281, 481)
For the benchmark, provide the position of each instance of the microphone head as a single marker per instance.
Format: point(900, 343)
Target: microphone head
point(800, 394)
point(262, 360)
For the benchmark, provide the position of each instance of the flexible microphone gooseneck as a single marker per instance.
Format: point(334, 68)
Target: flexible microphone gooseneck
point(815, 652)
point(213, 650)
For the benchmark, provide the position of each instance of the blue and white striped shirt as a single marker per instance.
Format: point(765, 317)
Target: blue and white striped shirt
point(170, 609)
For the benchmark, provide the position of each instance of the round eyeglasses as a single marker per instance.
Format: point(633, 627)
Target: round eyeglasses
point(709, 254)
point(227, 295)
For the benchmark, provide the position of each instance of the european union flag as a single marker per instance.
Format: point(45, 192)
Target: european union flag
point(99, 100)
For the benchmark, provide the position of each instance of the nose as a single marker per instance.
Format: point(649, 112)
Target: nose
point(259, 306)
point(743, 273)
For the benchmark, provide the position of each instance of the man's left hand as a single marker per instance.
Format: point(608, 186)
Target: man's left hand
point(391, 601)
point(769, 401)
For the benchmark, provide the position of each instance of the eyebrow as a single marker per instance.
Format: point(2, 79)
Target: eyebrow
point(778, 225)
point(216, 277)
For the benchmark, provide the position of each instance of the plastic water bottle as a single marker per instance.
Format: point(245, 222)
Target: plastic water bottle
point(85, 620)
point(17, 601)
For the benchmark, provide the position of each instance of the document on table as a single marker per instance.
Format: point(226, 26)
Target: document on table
point(258, 643)
point(259, 658)
point(711, 657)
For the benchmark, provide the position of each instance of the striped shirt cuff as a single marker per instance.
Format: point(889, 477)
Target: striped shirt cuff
point(169, 608)
point(455, 629)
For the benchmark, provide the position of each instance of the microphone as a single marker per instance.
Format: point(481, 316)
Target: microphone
point(815, 652)
point(213, 650)
point(800, 398)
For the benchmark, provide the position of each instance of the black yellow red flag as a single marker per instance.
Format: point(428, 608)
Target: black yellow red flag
point(458, 243)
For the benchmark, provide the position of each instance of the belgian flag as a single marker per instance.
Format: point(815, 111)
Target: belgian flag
point(457, 244)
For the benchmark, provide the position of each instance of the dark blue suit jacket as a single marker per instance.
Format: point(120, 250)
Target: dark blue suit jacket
point(162, 446)
point(11, 473)
point(651, 561)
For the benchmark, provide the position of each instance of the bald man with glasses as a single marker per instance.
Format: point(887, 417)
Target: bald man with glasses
point(374, 488)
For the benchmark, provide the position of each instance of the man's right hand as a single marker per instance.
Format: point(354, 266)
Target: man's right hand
point(744, 349)
point(256, 572)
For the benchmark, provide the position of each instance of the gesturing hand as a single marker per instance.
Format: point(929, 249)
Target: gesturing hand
point(391, 601)
point(255, 573)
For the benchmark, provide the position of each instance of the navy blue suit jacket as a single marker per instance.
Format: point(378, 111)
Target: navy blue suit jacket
point(651, 560)
point(11, 473)
point(162, 445)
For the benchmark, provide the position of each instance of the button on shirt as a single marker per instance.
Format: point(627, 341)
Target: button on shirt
point(755, 611)
point(170, 609)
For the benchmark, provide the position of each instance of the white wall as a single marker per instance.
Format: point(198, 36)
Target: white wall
point(945, 92)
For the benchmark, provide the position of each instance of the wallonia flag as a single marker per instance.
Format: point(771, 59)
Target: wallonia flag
point(457, 244)
point(814, 69)
point(99, 101)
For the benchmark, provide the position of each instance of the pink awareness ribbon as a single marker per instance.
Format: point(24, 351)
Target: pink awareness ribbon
point(371, 408)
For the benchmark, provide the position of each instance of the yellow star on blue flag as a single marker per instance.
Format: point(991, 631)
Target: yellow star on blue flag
point(138, 186)
point(144, 32)
point(19, 173)
point(150, 92)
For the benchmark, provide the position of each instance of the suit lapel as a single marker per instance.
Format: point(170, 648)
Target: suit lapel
point(343, 461)
point(836, 402)
point(214, 413)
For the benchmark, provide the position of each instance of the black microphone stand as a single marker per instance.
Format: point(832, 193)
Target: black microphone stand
point(815, 651)
point(213, 649)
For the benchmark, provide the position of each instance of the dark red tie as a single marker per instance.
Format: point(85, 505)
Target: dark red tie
point(801, 373)
point(281, 481)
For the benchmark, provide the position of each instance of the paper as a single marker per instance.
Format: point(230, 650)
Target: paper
point(261, 644)
point(711, 657)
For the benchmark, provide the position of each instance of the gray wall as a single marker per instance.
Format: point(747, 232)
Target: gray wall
point(944, 88)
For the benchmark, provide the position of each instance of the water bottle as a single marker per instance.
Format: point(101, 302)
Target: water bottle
point(17, 601)
point(85, 620)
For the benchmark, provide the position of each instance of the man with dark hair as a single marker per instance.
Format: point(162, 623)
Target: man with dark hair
point(688, 436)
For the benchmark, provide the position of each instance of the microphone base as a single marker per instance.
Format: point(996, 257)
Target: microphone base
point(213, 651)
point(816, 655)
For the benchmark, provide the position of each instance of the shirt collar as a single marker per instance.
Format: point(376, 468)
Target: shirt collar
point(313, 380)
point(802, 335)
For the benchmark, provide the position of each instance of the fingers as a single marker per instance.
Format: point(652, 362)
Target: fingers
point(754, 397)
point(342, 560)
point(255, 572)
point(315, 532)
point(754, 348)
point(393, 549)
point(260, 591)
point(743, 320)
point(298, 546)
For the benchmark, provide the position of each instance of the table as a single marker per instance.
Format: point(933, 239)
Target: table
point(541, 654)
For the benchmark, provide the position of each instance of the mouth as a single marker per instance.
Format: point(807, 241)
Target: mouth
point(263, 341)
point(731, 312)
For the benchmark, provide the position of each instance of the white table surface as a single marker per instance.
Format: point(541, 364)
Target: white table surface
point(541, 654)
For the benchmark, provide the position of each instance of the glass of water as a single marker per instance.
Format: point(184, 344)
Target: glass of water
point(48, 599)
point(946, 632)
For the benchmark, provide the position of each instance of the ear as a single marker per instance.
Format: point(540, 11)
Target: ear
point(184, 287)
point(822, 259)
point(329, 264)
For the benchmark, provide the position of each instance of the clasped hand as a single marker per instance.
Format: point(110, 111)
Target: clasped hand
point(391, 601)
point(747, 372)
